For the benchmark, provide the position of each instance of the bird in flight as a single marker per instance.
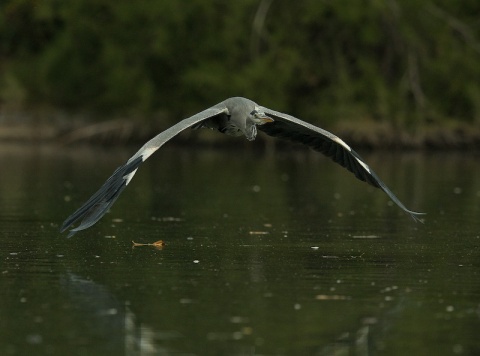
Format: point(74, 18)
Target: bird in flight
point(235, 116)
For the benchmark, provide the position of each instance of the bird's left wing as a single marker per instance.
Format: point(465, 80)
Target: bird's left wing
point(293, 129)
point(102, 200)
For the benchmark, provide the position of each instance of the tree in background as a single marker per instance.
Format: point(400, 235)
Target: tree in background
point(405, 62)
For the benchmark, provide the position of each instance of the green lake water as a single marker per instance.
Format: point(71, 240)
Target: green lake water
point(265, 254)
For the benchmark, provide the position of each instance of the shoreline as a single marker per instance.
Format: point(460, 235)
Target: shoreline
point(359, 135)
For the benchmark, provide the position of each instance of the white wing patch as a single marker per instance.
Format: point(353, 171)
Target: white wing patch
point(367, 168)
point(129, 177)
point(148, 152)
point(341, 142)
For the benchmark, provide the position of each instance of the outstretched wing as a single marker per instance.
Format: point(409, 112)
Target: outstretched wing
point(293, 129)
point(102, 200)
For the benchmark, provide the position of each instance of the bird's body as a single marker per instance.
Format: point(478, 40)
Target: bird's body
point(235, 116)
point(232, 121)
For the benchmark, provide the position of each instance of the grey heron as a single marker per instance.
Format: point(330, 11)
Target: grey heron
point(235, 116)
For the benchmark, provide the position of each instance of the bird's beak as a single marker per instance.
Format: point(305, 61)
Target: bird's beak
point(266, 119)
point(263, 118)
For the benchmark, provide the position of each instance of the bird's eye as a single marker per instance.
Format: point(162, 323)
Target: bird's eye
point(253, 112)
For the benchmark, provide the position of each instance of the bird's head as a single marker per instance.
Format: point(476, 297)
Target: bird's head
point(256, 117)
point(259, 117)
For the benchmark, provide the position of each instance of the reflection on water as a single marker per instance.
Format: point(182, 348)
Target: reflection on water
point(283, 254)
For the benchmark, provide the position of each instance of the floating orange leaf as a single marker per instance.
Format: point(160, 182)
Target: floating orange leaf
point(157, 244)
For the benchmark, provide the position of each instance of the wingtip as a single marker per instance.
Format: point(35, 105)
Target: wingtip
point(64, 226)
point(416, 216)
point(71, 233)
point(99, 203)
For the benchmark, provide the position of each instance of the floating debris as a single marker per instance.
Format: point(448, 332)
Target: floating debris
point(366, 237)
point(258, 232)
point(238, 319)
point(166, 219)
point(157, 244)
point(186, 301)
point(331, 297)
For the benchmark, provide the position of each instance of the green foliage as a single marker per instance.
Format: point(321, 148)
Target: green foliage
point(406, 62)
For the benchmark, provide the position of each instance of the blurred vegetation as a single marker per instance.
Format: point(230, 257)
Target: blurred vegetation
point(404, 62)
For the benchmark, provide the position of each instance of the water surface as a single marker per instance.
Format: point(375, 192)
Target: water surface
point(283, 254)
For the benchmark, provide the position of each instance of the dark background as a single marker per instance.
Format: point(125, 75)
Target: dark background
point(392, 69)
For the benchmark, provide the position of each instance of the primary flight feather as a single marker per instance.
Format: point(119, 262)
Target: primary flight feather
point(235, 116)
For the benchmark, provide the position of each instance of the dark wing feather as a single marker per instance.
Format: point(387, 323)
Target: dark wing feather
point(99, 203)
point(102, 200)
point(293, 129)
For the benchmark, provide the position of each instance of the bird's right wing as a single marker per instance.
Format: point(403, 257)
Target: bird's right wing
point(102, 200)
point(293, 129)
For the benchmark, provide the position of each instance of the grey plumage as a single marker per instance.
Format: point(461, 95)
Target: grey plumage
point(234, 116)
